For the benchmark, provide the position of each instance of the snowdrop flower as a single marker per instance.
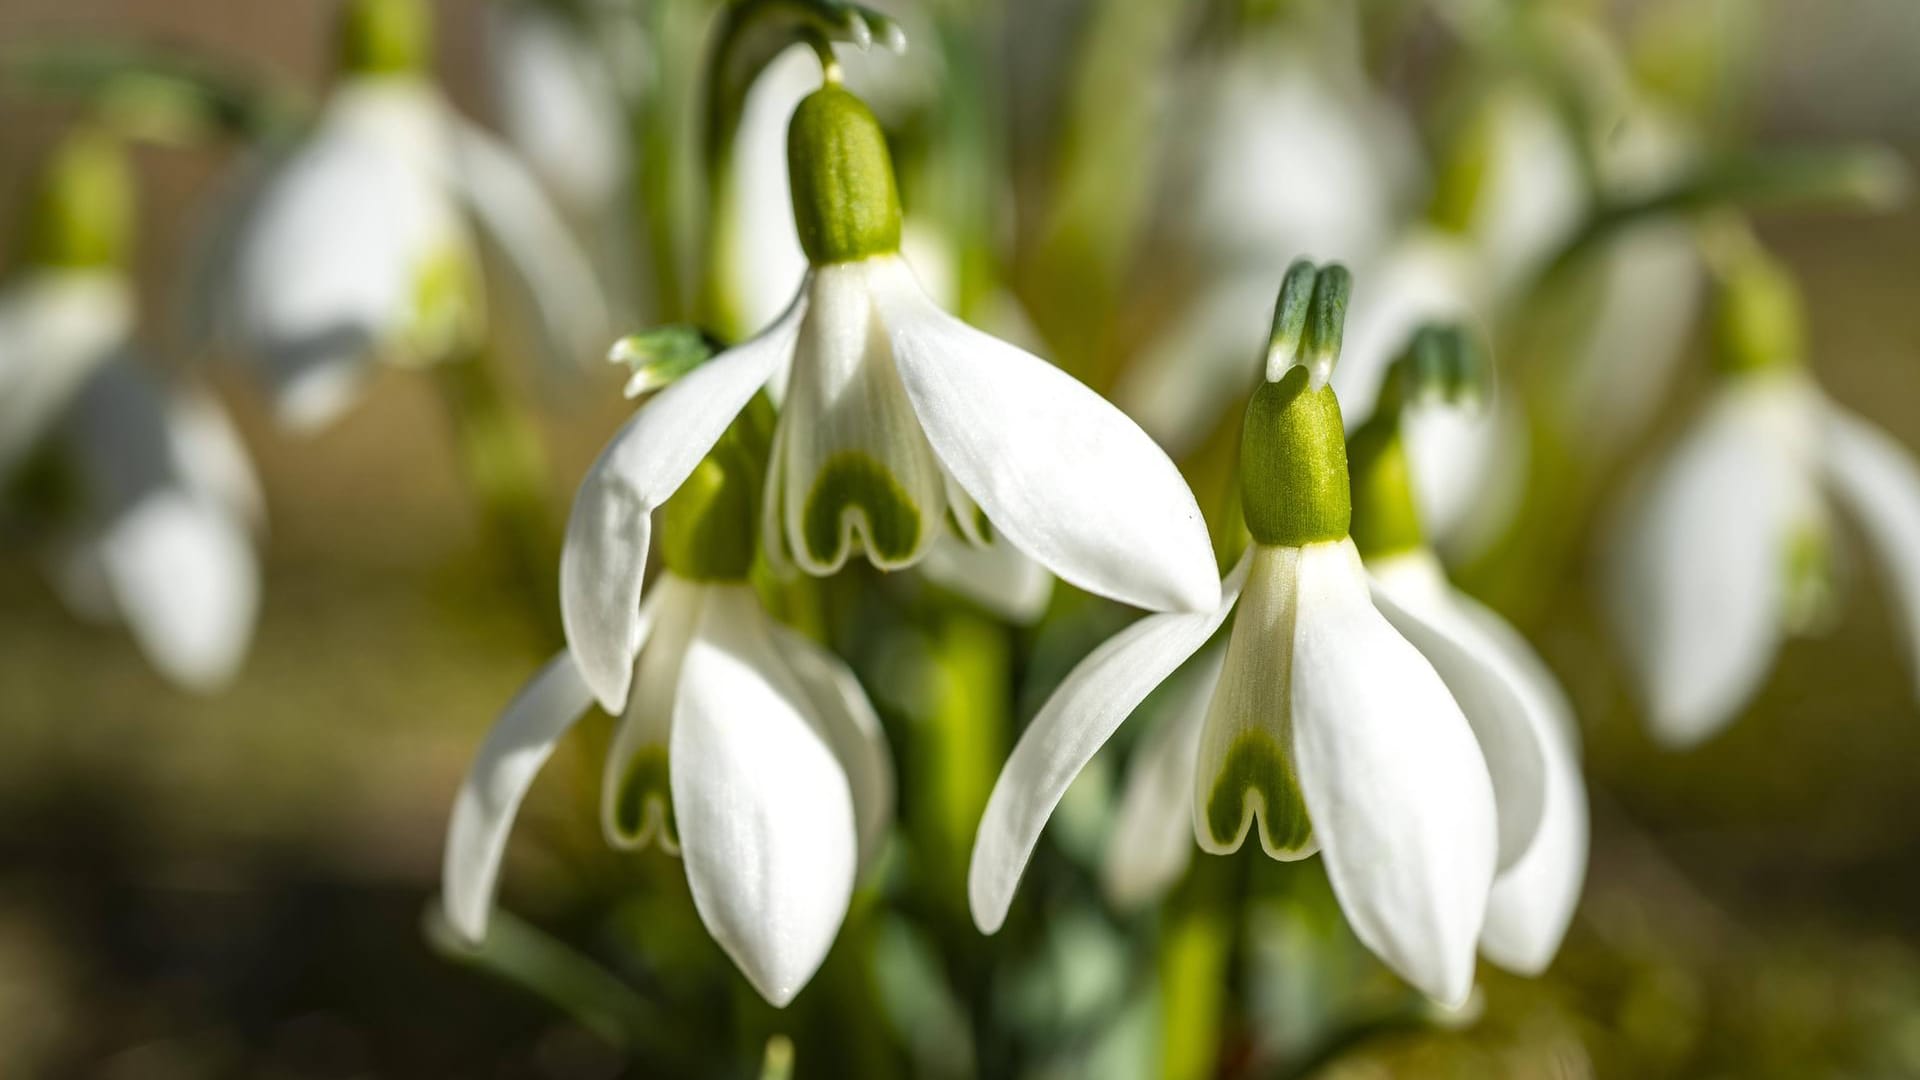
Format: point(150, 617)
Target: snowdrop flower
point(360, 244)
point(899, 424)
point(745, 749)
point(1724, 549)
point(156, 533)
point(1326, 730)
point(559, 104)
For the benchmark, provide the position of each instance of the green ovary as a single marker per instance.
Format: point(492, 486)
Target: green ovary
point(645, 786)
point(1256, 765)
point(852, 481)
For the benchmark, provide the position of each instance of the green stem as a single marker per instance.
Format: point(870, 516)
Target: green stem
point(1195, 958)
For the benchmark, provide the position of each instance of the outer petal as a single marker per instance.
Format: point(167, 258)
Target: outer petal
point(559, 105)
point(213, 460)
point(1070, 728)
point(996, 575)
point(1533, 900)
point(763, 248)
point(558, 275)
point(846, 719)
point(605, 554)
point(1699, 574)
point(1062, 474)
point(483, 811)
point(1412, 592)
point(1876, 479)
point(56, 329)
point(1152, 838)
point(766, 817)
point(177, 562)
point(1400, 798)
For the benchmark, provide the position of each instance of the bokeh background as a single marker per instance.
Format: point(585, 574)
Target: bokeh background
point(236, 885)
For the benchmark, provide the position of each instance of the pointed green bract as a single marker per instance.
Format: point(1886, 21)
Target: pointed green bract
point(1256, 766)
point(851, 481)
point(1293, 464)
point(81, 215)
point(846, 206)
point(646, 786)
point(385, 37)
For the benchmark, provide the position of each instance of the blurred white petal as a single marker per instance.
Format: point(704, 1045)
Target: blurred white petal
point(1427, 276)
point(1877, 480)
point(57, 327)
point(994, 575)
point(1099, 693)
point(558, 104)
point(765, 813)
point(1399, 796)
point(1062, 474)
point(490, 796)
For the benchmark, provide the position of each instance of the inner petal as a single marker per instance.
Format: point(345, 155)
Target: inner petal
point(636, 805)
point(858, 473)
point(1246, 772)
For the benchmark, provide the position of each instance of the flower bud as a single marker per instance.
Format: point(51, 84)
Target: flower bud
point(709, 529)
point(845, 204)
point(81, 214)
point(385, 37)
point(1293, 464)
point(1308, 321)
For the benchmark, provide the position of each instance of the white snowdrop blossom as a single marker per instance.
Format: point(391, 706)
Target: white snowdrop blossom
point(1325, 730)
point(899, 424)
point(360, 244)
point(1725, 548)
point(559, 104)
point(745, 749)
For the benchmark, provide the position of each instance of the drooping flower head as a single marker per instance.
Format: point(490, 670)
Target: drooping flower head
point(1325, 731)
point(1726, 545)
point(745, 749)
point(898, 424)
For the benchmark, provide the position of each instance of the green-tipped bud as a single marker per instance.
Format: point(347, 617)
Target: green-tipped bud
point(1759, 324)
point(709, 529)
point(1308, 321)
point(658, 357)
point(845, 204)
point(1443, 362)
point(1385, 518)
point(1293, 464)
point(385, 37)
point(81, 213)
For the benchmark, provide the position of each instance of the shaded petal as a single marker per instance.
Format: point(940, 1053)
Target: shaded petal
point(995, 575)
point(1400, 797)
point(636, 797)
point(56, 329)
point(559, 105)
point(1062, 474)
point(1878, 482)
point(763, 247)
point(604, 557)
point(490, 796)
point(1099, 693)
point(556, 273)
point(766, 817)
point(1698, 578)
point(857, 473)
point(1152, 838)
point(1411, 590)
point(213, 460)
point(846, 719)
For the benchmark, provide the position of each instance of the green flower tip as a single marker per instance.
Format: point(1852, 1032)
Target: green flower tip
point(845, 203)
point(81, 211)
point(1308, 320)
point(385, 37)
point(1385, 519)
point(1759, 324)
point(1293, 464)
point(1442, 362)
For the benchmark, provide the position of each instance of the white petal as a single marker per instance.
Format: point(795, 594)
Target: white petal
point(489, 797)
point(1533, 901)
point(605, 554)
point(765, 813)
point(1245, 774)
point(763, 248)
point(1412, 591)
point(1152, 838)
point(847, 720)
point(1099, 693)
point(1469, 469)
point(1698, 589)
point(1061, 473)
point(556, 273)
point(213, 460)
point(1399, 795)
point(857, 474)
point(56, 329)
point(559, 105)
point(1877, 480)
point(632, 817)
point(995, 575)
point(180, 565)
